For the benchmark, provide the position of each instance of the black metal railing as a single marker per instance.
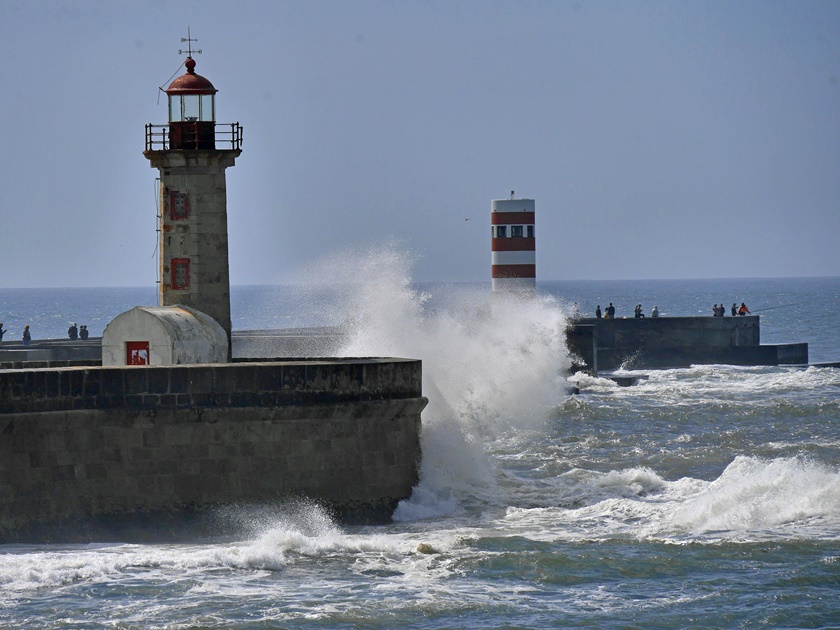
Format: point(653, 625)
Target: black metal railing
point(225, 136)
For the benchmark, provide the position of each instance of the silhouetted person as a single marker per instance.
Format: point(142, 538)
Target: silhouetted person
point(611, 311)
point(3, 331)
point(73, 332)
point(27, 337)
point(655, 311)
point(734, 309)
point(83, 332)
point(597, 316)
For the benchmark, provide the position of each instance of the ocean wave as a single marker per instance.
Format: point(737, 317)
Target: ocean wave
point(756, 494)
point(754, 499)
point(491, 365)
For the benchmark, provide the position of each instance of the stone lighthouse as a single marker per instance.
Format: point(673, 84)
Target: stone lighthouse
point(191, 153)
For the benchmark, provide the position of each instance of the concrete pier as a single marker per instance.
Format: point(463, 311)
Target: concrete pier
point(87, 452)
point(597, 344)
point(672, 342)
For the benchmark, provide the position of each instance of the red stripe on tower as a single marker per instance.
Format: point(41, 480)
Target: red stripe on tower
point(513, 244)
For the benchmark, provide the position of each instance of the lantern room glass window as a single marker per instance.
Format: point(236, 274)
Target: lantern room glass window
point(191, 107)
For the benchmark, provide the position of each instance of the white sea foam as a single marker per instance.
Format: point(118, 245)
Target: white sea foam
point(760, 385)
point(298, 534)
point(488, 365)
point(754, 498)
point(755, 494)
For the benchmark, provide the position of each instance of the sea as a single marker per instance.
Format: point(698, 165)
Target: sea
point(704, 497)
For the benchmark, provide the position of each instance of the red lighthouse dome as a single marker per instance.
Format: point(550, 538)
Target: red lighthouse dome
point(191, 83)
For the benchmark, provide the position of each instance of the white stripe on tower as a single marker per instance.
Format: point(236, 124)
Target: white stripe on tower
point(515, 258)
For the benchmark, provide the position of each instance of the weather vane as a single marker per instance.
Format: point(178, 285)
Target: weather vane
point(189, 41)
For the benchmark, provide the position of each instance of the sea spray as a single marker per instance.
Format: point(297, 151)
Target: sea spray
point(491, 364)
point(754, 493)
point(303, 515)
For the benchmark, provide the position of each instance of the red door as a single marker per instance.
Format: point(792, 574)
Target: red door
point(137, 353)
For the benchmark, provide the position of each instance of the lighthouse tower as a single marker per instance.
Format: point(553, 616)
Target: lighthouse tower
point(192, 152)
point(513, 244)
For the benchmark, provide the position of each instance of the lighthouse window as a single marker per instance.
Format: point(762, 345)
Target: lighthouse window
point(179, 205)
point(191, 106)
point(180, 273)
point(174, 108)
point(516, 231)
point(207, 112)
point(530, 231)
point(501, 231)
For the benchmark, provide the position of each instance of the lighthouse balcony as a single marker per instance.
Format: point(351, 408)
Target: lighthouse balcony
point(194, 135)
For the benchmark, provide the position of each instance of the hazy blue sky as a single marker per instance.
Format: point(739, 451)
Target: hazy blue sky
point(659, 139)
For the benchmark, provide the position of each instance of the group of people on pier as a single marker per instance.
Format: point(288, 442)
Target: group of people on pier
point(609, 312)
point(26, 337)
point(720, 310)
point(74, 332)
point(80, 332)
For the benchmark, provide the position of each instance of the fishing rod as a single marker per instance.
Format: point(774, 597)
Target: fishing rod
point(770, 308)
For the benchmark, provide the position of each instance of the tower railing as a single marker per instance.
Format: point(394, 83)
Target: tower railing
point(228, 135)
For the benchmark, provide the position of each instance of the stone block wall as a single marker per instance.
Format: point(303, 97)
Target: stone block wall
point(268, 383)
point(107, 445)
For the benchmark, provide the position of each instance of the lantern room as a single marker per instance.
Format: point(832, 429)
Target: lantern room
point(192, 111)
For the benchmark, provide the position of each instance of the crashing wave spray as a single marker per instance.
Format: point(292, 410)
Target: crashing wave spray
point(489, 364)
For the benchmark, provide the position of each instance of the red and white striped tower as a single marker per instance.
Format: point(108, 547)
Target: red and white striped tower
point(513, 244)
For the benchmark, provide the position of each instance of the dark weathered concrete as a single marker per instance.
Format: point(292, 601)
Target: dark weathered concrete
point(669, 342)
point(581, 339)
point(82, 448)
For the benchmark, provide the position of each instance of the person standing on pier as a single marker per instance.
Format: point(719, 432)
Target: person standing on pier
point(73, 332)
point(743, 310)
point(2, 332)
point(27, 336)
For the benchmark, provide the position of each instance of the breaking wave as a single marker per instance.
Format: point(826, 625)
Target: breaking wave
point(490, 364)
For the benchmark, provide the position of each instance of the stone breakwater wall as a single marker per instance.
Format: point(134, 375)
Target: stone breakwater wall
point(90, 452)
point(669, 342)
